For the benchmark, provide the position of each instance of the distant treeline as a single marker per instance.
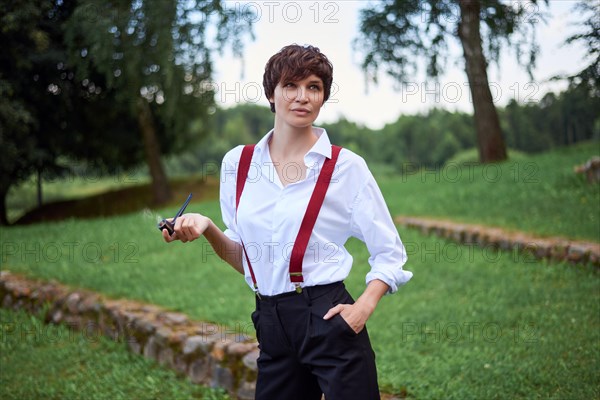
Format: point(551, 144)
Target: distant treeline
point(428, 139)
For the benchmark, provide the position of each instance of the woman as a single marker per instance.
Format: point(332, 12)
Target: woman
point(290, 203)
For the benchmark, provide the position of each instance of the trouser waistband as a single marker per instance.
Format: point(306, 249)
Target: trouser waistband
point(312, 292)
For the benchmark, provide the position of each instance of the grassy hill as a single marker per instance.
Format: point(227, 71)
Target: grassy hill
point(539, 194)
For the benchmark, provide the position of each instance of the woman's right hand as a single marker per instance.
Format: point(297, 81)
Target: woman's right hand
point(188, 228)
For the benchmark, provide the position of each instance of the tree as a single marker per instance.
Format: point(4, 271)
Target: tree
point(395, 32)
point(590, 38)
point(156, 55)
point(22, 37)
point(49, 119)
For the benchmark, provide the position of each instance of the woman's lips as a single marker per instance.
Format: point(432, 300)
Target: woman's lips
point(301, 111)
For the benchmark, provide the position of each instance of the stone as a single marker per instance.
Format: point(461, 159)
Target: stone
point(222, 377)
point(73, 321)
point(458, 235)
point(249, 360)
point(591, 170)
point(577, 253)
point(89, 304)
point(172, 318)
point(219, 350)
point(504, 243)
point(246, 391)
point(559, 250)
point(180, 364)
point(135, 346)
point(471, 237)
point(540, 248)
point(196, 344)
point(72, 301)
point(150, 309)
point(238, 350)
point(177, 338)
point(166, 357)
point(594, 259)
point(162, 334)
point(199, 370)
point(19, 304)
point(57, 316)
point(108, 326)
point(7, 301)
point(21, 290)
point(207, 329)
point(151, 349)
point(144, 326)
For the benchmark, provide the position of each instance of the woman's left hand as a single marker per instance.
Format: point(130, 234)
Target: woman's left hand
point(357, 314)
point(354, 315)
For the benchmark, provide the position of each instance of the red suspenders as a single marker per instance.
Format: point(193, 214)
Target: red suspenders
point(310, 217)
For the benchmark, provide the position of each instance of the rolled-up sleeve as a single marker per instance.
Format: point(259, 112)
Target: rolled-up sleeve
point(373, 224)
point(227, 192)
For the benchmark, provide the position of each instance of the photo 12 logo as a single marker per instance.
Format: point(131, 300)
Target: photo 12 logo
point(53, 252)
point(470, 331)
point(290, 12)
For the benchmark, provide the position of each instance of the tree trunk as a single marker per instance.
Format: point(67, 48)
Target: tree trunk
point(161, 192)
point(487, 124)
point(3, 214)
point(39, 187)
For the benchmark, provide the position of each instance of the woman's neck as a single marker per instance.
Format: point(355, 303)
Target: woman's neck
point(290, 143)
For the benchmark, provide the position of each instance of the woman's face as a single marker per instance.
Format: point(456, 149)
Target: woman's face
point(298, 103)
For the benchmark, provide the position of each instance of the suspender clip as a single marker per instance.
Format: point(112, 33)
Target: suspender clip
point(298, 287)
point(257, 292)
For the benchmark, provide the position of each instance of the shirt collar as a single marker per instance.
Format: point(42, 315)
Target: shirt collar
point(321, 147)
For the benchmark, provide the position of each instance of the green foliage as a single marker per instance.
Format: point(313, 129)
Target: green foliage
point(46, 114)
point(588, 77)
point(158, 51)
point(28, 65)
point(52, 362)
point(229, 127)
point(72, 75)
point(423, 139)
point(433, 138)
point(395, 33)
point(557, 120)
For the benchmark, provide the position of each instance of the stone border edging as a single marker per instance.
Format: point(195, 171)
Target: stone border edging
point(202, 351)
point(552, 248)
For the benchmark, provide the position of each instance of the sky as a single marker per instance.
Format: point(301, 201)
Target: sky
point(333, 25)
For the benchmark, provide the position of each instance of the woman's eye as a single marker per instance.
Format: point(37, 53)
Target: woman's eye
point(289, 84)
point(315, 87)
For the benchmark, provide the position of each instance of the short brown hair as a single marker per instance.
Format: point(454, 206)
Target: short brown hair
point(293, 63)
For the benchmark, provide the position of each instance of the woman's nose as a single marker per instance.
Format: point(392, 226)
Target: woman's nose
point(301, 95)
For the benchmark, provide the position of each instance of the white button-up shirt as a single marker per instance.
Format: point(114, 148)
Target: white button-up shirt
point(270, 214)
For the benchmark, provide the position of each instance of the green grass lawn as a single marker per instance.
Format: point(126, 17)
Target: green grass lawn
point(473, 323)
point(41, 361)
point(539, 194)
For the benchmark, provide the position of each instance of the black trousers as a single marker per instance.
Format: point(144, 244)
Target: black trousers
point(303, 356)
